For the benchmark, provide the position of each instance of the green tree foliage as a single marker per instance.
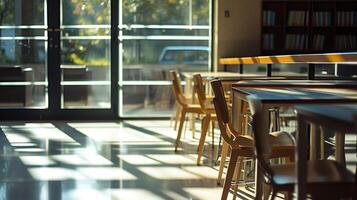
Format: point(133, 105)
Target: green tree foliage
point(97, 12)
point(31, 14)
point(164, 12)
point(6, 16)
point(85, 12)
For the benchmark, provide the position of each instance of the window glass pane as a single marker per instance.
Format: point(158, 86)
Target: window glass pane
point(200, 12)
point(289, 69)
point(159, 36)
point(23, 56)
point(347, 71)
point(324, 70)
point(85, 12)
point(152, 59)
point(153, 101)
point(254, 69)
point(85, 54)
point(174, 12)
point(88, 96)
point(155, 12)
point(21, 12)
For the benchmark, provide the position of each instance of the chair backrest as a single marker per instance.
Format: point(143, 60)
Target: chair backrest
point(233, 138)
point(222, 113)
point(221, 100)
point(200, 90)
point(261, 139)
point(177, 90)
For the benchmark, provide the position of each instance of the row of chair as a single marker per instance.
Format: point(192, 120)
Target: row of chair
point(184, 106)
point(242, 144)
point(326, 178)
point(279, 178)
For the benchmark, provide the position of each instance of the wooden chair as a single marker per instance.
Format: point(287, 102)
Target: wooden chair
point(175, 116)
point(242, 145)
point(208, 111)
point(326, 179)
point(184, 105)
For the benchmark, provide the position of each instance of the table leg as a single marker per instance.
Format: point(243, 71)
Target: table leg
point(259, 179)
point(237, 113)
point(340, 149)
point(301, 158)
point(322, 143)
point(313, 142)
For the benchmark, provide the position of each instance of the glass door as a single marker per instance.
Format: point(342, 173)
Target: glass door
point(85, 80)
point(95, 56)
point(155, 37)
point(23, 54)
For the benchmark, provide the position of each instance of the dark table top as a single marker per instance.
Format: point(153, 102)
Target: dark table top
point(335, 116)
point(298, 95)
point(296, 84)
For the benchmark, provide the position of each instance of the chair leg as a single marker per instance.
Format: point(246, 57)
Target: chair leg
point(238, 173)
point(205, 124)
point(230, 172)
point(288, 196)
point(274, 194)
point(177, 117)
point(224, 153)
point(182, 120)
point(340, 149)
point(193, 125)
point(266, 190)
point(212, 123)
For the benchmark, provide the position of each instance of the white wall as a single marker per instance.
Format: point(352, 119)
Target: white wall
point(239, 33)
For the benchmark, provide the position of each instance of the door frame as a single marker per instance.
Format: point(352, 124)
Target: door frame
point(54, 110)
point(54, 74)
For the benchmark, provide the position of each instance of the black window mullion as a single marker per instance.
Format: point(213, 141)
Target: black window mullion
point(54, 57)
point(114, 56)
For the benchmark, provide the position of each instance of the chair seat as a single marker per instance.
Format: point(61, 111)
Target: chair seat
point(196, 108)
point(319, 172)
point(282, 138)
point(209, 109)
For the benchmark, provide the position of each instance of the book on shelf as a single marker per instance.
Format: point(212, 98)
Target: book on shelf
point(346, 18)
point(346, 42)
point(318, 42)
point(321, 19)
point(298, 18)
point(268, 41)
point(269, 18)
point(296, 41)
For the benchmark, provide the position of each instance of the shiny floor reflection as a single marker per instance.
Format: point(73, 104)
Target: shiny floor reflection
point(102, 160)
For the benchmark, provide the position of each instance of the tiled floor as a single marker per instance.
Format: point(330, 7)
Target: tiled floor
point(108, 160)
point(102, 160)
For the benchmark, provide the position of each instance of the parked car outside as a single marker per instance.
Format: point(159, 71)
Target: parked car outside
point(185, 58)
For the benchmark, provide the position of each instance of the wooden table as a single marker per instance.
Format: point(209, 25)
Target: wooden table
point(311, 59)
point(269, 98)
point(283, 97)
point(339, 118)
point(208, 76)
point(290, 59)
point(296, 84)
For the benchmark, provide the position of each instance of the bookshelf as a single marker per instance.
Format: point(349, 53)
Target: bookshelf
point(308, 26)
